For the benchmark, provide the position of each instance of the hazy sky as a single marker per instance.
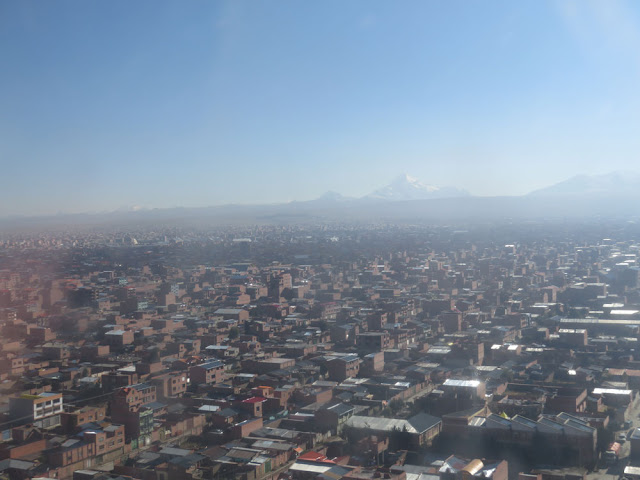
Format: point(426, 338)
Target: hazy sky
point(106, 104)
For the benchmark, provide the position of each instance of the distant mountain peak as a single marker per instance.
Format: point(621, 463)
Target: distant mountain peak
point(406, 178)
point(131, 208)
point(331, 195)
point(612, 183)
point(406, 187)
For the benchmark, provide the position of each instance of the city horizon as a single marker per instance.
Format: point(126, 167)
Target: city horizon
point(285, 240)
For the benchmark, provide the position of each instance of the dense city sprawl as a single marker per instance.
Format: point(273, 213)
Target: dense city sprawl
point(403, 352)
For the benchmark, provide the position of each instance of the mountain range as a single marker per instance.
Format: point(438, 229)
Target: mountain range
point(613, 183)
point(405, 199)
point(402, 188)
point(406, 187)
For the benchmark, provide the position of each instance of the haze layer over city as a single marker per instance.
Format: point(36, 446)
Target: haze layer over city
point(320, 240)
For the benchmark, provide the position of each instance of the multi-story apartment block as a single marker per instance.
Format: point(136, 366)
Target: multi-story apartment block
point(43, 410)
point(210, 372)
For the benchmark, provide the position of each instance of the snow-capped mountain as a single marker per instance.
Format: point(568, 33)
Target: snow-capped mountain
point(405, 187)
point(332, 196)
point(614, 183)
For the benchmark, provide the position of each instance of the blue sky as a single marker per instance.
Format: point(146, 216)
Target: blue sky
point(111, 104)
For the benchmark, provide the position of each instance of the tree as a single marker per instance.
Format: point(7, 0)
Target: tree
point(395, 405)
point(605, 438)
point(233, 333)
point(287, 294)
point(316, 311)
point(399, 438)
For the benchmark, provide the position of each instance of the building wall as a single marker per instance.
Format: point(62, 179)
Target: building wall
point(200, 374)
point(245, 428)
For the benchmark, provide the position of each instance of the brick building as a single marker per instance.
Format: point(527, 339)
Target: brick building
point(207, 373)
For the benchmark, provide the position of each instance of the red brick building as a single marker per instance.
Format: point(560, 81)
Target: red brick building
point(170, 384)
point(207, 373)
